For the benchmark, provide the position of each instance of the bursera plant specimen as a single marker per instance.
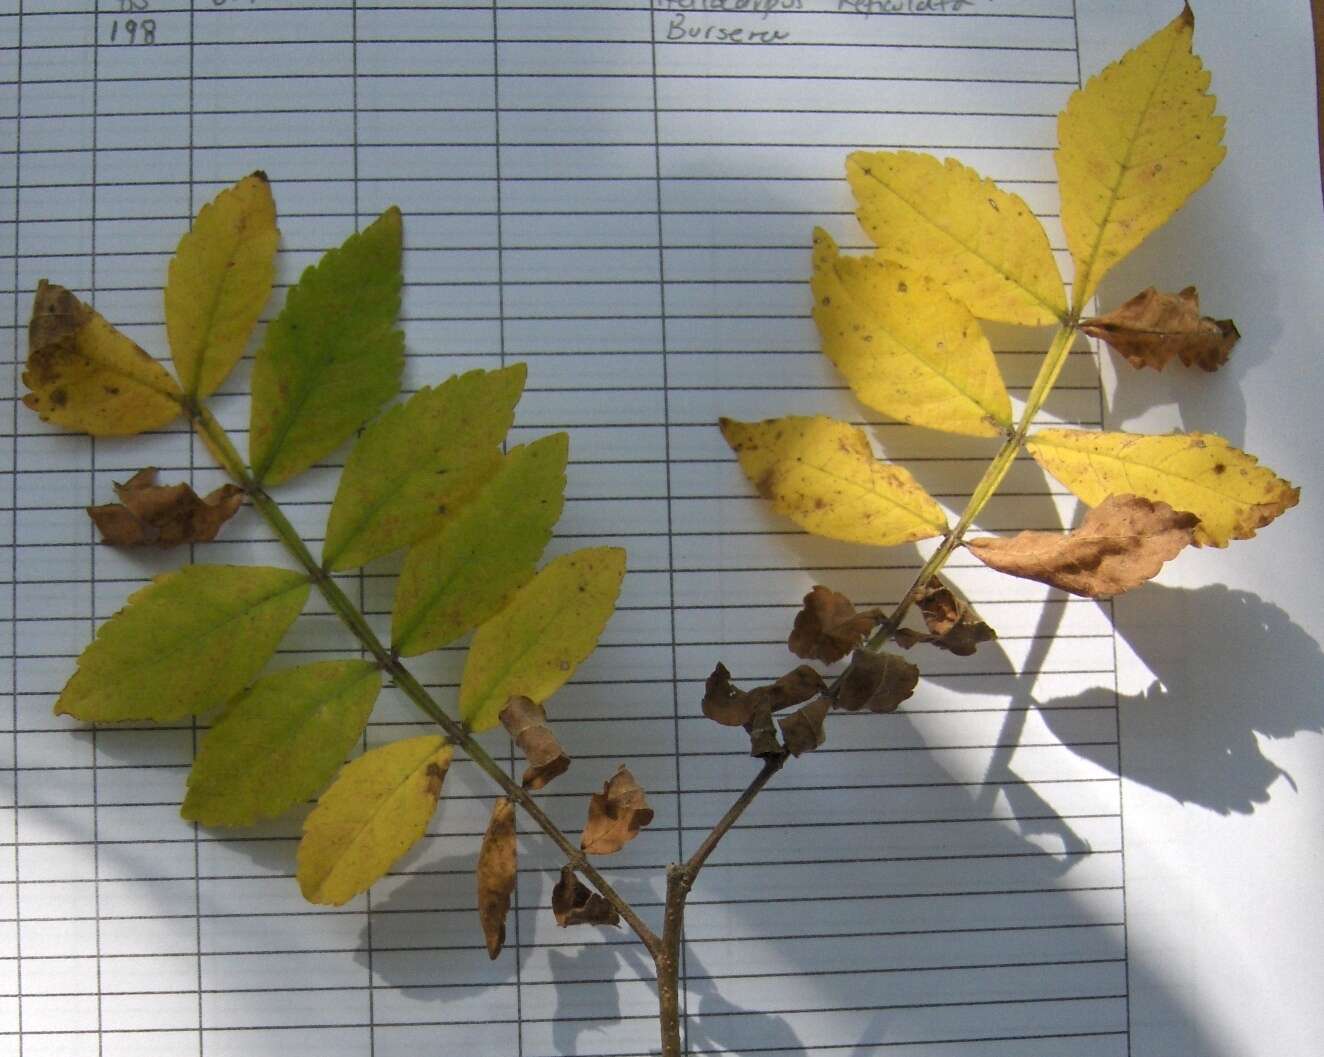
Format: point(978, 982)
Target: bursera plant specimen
point(428, 476)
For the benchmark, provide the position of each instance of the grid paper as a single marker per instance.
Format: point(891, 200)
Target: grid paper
point(595, 190)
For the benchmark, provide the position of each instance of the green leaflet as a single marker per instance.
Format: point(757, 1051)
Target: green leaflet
point(375, 811)
point(280, 742)
point(453, 581)
point(332, 357)
point(419, 462)
point(187, 642)
point(219, 279)
point(534, 645)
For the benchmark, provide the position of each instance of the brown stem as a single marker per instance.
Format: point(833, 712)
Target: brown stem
point(680, 880)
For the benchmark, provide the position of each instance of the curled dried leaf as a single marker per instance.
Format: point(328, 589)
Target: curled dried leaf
point(496, 874)
point(526, 721)
point(803, 729)
point(1122, 542)
point(164, 515)
point(616, 815)
point(876, 682)
point(1153, 327)
point(574, 903)
point(952, 624)
point(828, 626)
point(725, 703)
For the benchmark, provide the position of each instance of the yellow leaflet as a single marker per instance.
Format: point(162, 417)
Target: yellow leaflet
point(187, 642)
point(375, 811)
point(454, 580)
point(1137, 141)
point(822, 474)
point(280, 741)
point(533, 646)
point(419, 464)
point(906, 348)
point(219, 279)
point(1228, 490)
point(84, 374)
point(982, 244)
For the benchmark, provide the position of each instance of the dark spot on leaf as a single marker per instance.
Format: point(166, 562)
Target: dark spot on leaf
point(1219, 468)
point(59, 397)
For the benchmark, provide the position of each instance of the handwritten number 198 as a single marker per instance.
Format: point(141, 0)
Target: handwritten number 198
point(133, 31)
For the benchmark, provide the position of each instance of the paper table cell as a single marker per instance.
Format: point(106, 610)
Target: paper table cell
point(277, 94)
point(128, 166)
point(470, 58)
point(144, 99)
point(335, 931)
point(260, 28)
point(159, 1011)
point(546, 193)
point(575, 161)
point(157, 1043)
point(424, 162)
point(132, 862)
point(618, 92)
point(576, 57)
point(148, 936)
point(58, 899)
point(426, 127)
point(237, 130)
point(269, 972)
point(582, 336)
point(344, 1041)
point(59, 976)
point(145, 898)
point(57, 939)
point(62, 1044)
point(415, 27)
point(58, 786)
point(57, 99)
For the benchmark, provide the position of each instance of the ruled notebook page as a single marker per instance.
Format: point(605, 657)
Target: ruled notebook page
point(622, 198)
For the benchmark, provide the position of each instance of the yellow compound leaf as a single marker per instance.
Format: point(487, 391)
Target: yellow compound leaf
point(1228, 490)
point(533, 646)
point(1137, 141)
point(84, 374)
point(219, 279)
point(984, 245)
point(376, 810)
point(906, 347)
point(823, 475)
point(187, 642)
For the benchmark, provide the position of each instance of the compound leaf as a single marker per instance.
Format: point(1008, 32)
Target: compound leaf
point(280, 741)
point(84, 374)
point(1224, 487)
point(533, 646)
point(1137, 141)
point(219, 279)
point(982, 244)
point(375, 811)
point(332, 357)
point(822, 474)
point(187, 642)
point(453, 581)
point(1122, 543)
point(907, 348)
point(418, 463)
